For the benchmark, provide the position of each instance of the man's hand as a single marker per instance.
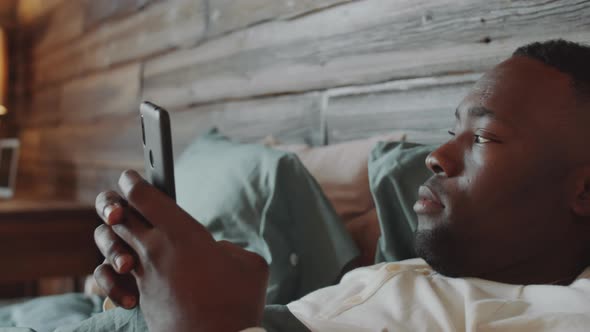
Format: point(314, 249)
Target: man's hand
point(185, 279)
point(114, 275)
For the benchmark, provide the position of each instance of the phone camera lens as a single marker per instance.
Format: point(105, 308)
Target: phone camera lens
point(142, 131)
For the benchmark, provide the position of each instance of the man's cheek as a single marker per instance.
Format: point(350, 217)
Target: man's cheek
point(486, 188)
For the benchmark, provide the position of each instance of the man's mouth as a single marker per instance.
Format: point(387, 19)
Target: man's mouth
point(428, 202)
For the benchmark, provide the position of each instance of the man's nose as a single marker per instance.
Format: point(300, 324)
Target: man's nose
point(444, 161)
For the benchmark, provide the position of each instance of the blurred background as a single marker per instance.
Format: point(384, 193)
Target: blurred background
point(73, 72)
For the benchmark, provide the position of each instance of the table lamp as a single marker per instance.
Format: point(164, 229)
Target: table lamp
point(3, 72)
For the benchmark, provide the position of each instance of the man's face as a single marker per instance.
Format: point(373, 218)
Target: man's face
point(498, 196)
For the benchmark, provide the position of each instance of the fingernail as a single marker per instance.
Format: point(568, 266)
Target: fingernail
point(109, 208)
point(128, 301)
point(120, 262)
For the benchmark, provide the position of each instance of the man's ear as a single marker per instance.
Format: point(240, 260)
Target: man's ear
point(581, 201)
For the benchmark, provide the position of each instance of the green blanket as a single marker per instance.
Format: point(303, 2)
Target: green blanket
point(45, 314)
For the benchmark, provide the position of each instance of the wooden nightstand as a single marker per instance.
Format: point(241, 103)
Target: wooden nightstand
point(41, 239)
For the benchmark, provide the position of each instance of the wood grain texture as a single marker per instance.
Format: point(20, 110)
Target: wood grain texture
point(31, 11)
point(113, 92)
point(77, 159)
point(8, 12)
point(221, 17)
point(303, 71)
point(290, 119)
point(97, 12)
point(8, 8)
point(63, 24)
point(42, 180)
point(75, 164)
point(42, 108)
point(229, 15)
point(359, 43)
point(163, 26)
point(116, 142)
point(91, 98)
point(420, 108)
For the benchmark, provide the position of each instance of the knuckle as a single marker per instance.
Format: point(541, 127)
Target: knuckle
point(101, 197)
point(99, 233)
point(101, 276)
point(121, 232)
point(152, 251)
point(103, 236)
point(107, 196)
point(105, 199)
point(114, 250)
point(99, 270)
point(108, 242)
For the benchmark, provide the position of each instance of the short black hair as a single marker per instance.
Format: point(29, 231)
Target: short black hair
point(568, 57)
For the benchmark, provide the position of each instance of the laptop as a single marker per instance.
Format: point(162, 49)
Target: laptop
point(8, 163)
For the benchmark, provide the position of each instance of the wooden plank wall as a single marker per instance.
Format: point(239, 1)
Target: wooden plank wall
point(318, 71)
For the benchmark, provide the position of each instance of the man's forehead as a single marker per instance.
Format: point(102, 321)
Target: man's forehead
point(520, 87)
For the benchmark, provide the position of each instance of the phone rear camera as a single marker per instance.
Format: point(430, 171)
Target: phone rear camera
point(142, 131)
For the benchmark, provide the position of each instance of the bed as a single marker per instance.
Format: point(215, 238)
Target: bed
point(348, 124)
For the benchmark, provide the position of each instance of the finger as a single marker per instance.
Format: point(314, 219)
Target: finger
point(160, 210)
point(134, 231)
point(121, 289)
point(114, 249)
point(109, 207)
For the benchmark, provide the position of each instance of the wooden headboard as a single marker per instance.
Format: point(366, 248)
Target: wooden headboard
point(303, 71)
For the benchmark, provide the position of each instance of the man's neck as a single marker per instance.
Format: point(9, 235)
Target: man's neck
point(551, 269)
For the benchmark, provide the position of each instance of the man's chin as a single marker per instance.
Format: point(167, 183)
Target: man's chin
point(436, 246)
point(428, 222)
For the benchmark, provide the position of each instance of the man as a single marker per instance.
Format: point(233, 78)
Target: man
point(504, 224)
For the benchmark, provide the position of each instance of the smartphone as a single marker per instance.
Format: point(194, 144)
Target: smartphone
point(157, 147)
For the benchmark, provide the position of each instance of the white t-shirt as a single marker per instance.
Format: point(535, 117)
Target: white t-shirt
point(410, 296)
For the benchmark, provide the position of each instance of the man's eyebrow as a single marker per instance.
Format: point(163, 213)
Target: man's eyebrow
point(478, 112)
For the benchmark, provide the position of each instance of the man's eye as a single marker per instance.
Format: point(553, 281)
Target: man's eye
point(481, 140)
point(477, 138)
